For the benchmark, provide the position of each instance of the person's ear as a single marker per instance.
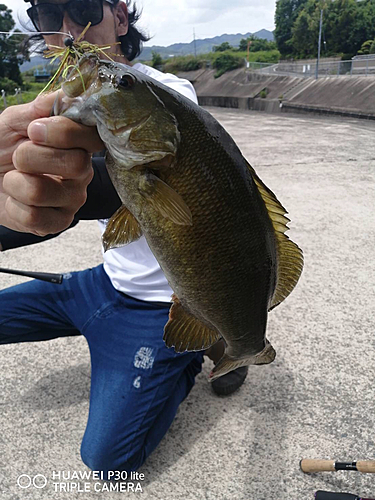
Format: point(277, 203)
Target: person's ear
point(121, 16)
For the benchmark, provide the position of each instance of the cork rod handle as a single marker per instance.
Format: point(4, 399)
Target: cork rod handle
point(310, 465)
point(367, 466)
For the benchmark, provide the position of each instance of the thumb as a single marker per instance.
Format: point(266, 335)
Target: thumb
point(42, 105)
point(19, 117)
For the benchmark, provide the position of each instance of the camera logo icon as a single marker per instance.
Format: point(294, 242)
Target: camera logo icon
point(25, 481)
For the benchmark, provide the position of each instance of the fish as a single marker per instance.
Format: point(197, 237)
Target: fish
point(217, 231)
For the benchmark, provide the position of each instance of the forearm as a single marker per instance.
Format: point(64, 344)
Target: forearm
point(102, 198)
point(10, 239)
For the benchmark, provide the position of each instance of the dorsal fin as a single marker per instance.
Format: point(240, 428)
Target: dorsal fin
point(290, 256)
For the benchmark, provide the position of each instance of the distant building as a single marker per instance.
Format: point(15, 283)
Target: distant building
point(42, 75)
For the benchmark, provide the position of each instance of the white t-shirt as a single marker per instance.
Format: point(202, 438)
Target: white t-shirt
point(133, 268)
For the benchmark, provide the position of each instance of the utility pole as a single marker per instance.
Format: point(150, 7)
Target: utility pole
point(195, 45)
point(319, 44)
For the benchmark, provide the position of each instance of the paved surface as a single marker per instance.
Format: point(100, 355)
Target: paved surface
point(315, 400)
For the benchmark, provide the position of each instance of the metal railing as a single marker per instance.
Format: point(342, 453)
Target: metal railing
point(17, 95)
point(259, 65)
point(359, 66)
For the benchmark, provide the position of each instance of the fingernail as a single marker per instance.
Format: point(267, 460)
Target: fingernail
point(38, 132)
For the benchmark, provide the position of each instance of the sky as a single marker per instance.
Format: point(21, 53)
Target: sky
point(174, 21)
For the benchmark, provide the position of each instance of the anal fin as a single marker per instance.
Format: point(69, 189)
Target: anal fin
point(227, 363)
point(122, 228)
point(184, 332)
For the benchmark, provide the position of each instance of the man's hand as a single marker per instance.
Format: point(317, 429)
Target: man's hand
point(45, 167)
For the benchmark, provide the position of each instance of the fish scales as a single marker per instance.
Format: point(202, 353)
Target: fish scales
point(219, 271)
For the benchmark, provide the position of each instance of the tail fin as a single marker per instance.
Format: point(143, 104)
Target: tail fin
point(228, 363)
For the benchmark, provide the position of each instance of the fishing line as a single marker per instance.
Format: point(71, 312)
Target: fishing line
point(27, 33)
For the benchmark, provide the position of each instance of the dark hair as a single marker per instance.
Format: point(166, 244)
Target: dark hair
point(131, 43)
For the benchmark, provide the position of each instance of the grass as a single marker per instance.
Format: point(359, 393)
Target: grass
point(30, 91)
point(213, 59)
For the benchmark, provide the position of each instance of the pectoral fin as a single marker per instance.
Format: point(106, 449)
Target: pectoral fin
point(184, 332)
point(122, 228)
point(165, 199)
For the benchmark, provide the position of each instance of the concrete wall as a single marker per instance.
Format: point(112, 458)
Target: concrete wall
point(256, 104)
point(350, 93)
point(351, 96)
point(239, 83)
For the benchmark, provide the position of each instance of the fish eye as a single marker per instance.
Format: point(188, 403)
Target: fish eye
point(126, 82)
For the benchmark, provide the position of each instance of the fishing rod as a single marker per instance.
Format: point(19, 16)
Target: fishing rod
point(50, 277)
point(327, 495)
point(310, 465)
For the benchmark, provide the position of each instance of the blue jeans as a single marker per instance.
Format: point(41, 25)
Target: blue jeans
point(137, 383)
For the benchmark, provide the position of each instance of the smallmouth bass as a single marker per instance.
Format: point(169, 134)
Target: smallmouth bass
point(216, 230)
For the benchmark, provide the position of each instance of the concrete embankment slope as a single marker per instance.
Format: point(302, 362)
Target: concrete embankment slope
point(351, 96)
point(346, 95)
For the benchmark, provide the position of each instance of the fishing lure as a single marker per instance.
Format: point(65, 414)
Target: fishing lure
point(71, 54)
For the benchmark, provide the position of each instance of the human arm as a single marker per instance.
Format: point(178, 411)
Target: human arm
point(43, 180)
point(102, 202)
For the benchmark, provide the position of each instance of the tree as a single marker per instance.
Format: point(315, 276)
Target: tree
point(339, 19)
point(347, 24)
point(302, 35)
point(364, 24)
point(222, 47)
point(10, 48)
point(367, 47)
point(257, 44)
point(226, 62)
point(305, 31)
point(286, 14)
point(157, 60)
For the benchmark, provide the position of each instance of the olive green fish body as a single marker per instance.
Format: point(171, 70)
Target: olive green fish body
point(215, 229)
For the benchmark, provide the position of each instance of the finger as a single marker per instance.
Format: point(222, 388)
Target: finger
point(67, 163)
point(18, 118)
point(37, 220)
point(63, 133)
point(45, 191)
point(7, 151)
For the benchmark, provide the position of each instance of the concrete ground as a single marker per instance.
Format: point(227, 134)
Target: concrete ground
point(314, 401)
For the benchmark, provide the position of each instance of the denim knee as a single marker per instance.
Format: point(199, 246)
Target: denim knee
point(106, 459)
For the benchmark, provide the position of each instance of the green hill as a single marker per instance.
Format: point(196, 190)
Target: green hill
point(202, 45)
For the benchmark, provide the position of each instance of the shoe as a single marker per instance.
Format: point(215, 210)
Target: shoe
point(230, 382)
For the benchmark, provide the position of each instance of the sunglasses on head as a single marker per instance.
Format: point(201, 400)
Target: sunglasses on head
point(50, 16)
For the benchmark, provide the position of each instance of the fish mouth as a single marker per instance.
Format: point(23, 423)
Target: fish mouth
point(63, 103)
point(117, 140)
point(121, 130)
